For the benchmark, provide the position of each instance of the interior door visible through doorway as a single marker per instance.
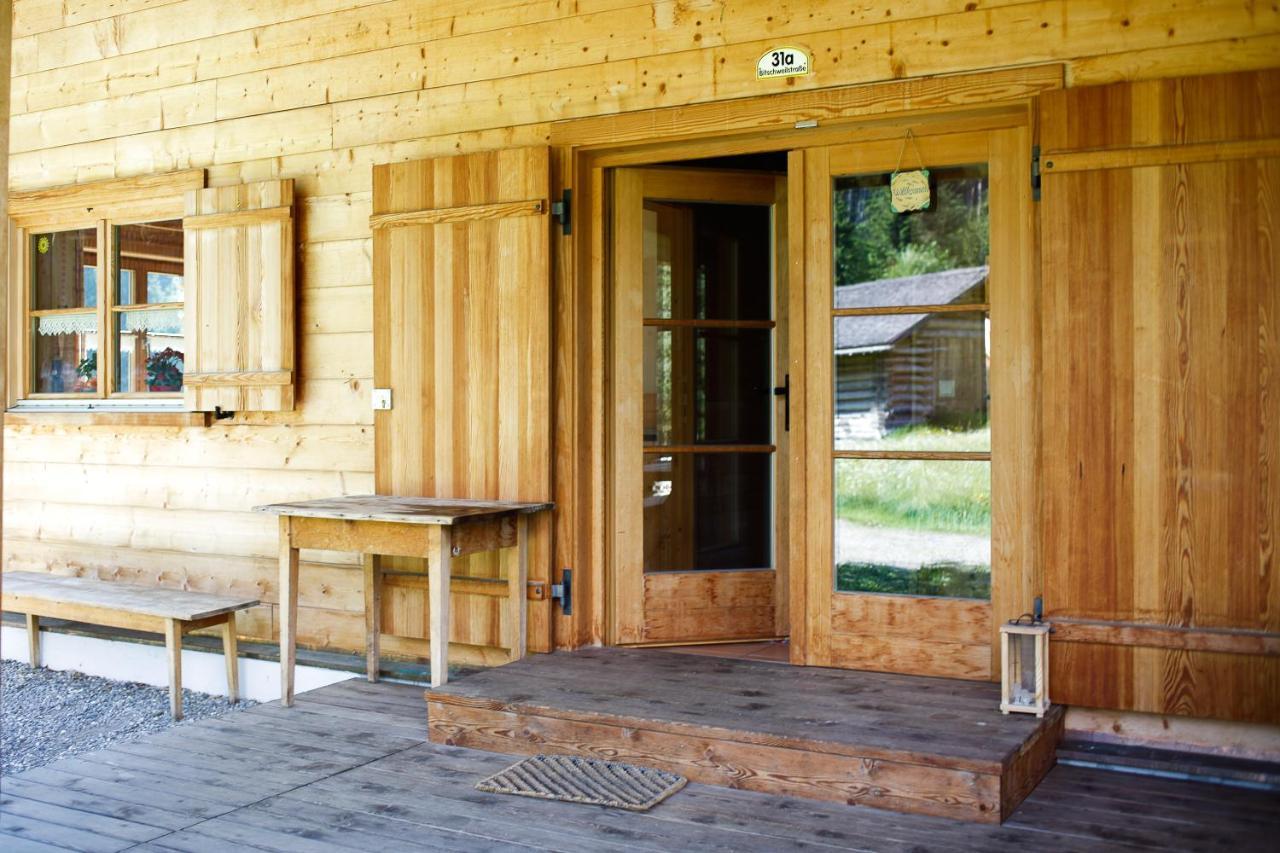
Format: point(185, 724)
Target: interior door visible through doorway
point(699, 406)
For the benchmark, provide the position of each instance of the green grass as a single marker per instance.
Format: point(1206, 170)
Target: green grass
point(950, 579)
point(948, 496)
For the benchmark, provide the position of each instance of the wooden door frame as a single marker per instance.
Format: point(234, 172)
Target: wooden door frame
point(583, 149)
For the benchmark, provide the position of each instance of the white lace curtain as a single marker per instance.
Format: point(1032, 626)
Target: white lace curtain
point(162, 321)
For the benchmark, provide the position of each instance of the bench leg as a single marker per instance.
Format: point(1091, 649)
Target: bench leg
point(33, 639)
point(372, 614)
point(441, 554)
point(232, 654)
point(173, 644)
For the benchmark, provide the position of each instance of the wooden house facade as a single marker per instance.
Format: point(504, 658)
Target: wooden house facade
point(504, 214)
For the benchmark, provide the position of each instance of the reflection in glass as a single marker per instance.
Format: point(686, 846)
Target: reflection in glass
point(936, 256)
point(707, 386)
point(149, 263)
point(707, 261)
point(912, 382)
point(913, 527)
point(150, 355)
point(148, 340)
point(64, 269)
point(65, 354)
point(707, 511)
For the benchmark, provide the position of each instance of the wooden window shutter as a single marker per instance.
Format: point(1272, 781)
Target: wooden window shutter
point(462, 325)
point(239, 321)
point(1160, 291)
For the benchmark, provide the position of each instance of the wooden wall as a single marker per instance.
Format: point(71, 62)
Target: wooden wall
point(319, 91)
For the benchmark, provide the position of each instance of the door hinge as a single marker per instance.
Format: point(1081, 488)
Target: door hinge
point(1035, 172)
point(562, 210)
point(563, 592)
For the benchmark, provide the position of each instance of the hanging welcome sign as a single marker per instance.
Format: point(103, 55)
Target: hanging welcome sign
point(909, 191)
point(783, 62)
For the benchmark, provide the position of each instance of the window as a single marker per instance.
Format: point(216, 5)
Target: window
point(147, 310)
point(123, 340)
point(153, 294)
point(64, 312)
point(911, 430)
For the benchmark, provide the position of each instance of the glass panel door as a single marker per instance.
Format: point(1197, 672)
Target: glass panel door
point(694, 331)
point(899, 412)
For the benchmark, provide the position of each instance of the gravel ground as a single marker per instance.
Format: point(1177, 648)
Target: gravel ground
point(46, 715)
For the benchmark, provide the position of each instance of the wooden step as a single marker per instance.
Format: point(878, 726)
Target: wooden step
point(918, 745)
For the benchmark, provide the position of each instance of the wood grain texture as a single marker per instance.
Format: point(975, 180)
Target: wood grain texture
point(239, 318)
point(472, 407)
point(946, 637)
point(634, 705)
point(650, 606)
point(319, 91)
point(404, 510)
point(165, 603)
point(105, 198)
point(325, 774)
point(1160, 473)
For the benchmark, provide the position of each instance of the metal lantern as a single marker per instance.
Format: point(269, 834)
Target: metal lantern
point(1024, 679)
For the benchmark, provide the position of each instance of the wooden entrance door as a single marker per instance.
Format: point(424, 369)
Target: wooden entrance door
point(696, 424)
point(910, 326)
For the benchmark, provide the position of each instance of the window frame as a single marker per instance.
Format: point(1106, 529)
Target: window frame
point(107, 310)
point(29, 314)
point(113, 309)
point(957, 160)
point(102, 205)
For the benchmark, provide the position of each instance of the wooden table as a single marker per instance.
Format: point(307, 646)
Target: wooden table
point(376, 525)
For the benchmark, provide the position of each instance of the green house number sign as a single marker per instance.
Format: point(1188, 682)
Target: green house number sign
point(783, 62)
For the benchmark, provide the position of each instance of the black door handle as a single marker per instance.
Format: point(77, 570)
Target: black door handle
point(784, 391)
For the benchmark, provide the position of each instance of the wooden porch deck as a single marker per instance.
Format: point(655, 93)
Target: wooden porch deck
point(348, 768)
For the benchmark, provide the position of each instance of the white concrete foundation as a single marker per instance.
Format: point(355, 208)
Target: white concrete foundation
point(124, 661)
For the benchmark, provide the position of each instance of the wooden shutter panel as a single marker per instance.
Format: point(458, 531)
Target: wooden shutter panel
point(462, 325)
point(1161, 300)
point(239, 320)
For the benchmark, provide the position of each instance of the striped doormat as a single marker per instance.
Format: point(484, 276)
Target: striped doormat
point(585, 780)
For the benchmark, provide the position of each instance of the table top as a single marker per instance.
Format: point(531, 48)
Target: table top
point(444, 511)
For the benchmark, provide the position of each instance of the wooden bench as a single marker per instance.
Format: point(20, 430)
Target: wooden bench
point(172, 612)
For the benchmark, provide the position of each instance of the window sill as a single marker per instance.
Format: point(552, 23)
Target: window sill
point(32, 413)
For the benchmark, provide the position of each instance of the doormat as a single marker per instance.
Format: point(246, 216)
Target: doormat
point(585, 780)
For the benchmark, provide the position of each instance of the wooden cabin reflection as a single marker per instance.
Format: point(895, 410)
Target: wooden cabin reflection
point(895, 371)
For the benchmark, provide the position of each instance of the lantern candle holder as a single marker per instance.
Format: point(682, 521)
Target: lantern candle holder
point(1024, 655)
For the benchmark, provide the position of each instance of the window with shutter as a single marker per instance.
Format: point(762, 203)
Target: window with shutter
point(97, 296)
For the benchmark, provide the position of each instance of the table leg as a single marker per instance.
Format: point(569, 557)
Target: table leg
point(33, 639)
point(173, 644)
point(231, 651)
point(372, 614)
point(288, 610)
point(518, 582)
point(441, 553)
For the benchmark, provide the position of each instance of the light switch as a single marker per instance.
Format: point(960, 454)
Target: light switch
point(381, 398)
